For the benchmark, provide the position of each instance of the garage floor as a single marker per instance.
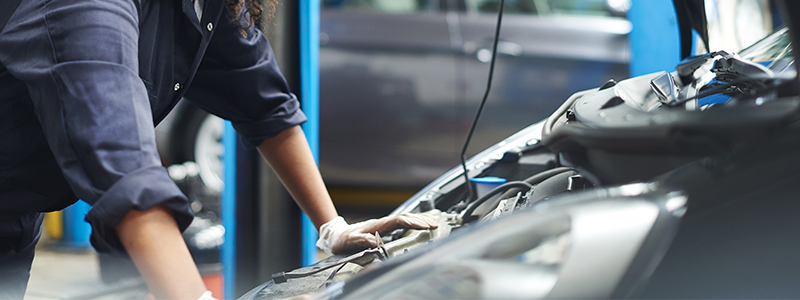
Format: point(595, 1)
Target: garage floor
point(62, 274)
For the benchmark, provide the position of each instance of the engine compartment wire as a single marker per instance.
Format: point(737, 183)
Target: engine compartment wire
point(470, 188)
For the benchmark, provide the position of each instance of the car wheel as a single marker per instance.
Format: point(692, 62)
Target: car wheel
point(208, 150)
point(198, 137)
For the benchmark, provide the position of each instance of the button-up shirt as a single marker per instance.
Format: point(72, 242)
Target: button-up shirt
point(82, 83)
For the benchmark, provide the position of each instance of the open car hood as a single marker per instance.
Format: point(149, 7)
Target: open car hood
point(691, 16)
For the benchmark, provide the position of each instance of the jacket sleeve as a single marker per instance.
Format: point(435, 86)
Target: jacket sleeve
point(239, 80)
point(81, 68)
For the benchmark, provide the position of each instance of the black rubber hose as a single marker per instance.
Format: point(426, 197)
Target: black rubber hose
point(531, 181)
point(467, 216)
point(538, 178)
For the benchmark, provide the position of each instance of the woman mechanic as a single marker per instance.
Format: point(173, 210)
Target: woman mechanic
point(82, 83)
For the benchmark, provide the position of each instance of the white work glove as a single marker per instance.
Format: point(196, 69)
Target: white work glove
point(207, 296)
point(337, 236)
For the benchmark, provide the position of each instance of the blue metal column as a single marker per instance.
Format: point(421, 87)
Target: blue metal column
point(309, 90)
point(654, 39)
point(228, 211)
point(76, 231)
point(309, 82)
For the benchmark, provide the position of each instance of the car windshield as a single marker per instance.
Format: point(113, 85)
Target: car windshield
point(773, 52)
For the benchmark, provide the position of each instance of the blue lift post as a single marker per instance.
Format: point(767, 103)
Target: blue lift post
point(309, 89)
point(309, 12)
point(76, 231)
point(228, 211)
point(654, 39)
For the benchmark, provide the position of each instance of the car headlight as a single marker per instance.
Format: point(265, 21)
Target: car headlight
point(600, 243)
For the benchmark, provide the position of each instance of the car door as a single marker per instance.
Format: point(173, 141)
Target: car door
point(387, 92)
point(548, 50)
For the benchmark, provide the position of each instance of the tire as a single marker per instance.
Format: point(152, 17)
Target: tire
point(197, 137)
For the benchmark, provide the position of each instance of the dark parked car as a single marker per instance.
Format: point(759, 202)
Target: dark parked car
point(678, 184)
point(400, 81)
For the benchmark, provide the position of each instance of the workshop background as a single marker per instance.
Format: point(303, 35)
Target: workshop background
point(399, 82)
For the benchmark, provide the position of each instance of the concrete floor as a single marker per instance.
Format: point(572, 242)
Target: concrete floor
point(75, 275)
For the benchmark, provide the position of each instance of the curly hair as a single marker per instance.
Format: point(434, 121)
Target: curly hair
point(253, 9)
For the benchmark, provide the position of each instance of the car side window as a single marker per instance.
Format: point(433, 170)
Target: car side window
point(583, 7)
point(379, 6)
point(552, 7)
point(527, 7)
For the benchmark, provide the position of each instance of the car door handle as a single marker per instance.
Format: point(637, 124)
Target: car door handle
point(506, 48)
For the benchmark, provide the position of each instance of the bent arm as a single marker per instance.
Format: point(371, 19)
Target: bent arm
point(156, 246)
point(289, 155)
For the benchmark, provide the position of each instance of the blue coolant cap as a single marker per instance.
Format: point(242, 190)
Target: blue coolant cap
point(489, 180)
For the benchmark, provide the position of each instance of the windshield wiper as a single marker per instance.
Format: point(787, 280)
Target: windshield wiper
point(733, 75)
point(752, 84)
point(733, 68)
point(686, 69)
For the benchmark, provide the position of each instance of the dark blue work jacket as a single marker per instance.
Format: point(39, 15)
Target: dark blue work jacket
point(82, 83)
